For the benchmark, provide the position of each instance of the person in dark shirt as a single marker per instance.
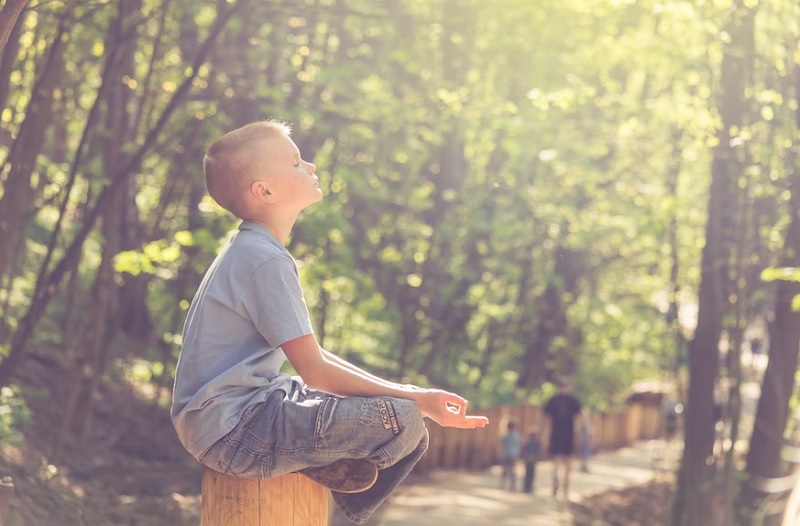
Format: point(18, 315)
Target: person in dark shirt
point(561, 410)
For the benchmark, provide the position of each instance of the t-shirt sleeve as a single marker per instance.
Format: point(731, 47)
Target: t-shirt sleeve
point(548, 408)
point(274, 302)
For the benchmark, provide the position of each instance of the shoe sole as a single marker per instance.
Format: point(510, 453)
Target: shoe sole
point(347, 475)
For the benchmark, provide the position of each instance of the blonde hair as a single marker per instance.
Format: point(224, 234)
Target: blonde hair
point(228, 162)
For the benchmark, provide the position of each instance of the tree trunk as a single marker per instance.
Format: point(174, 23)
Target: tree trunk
point(764, 456)
point(7, 61)
point(694, 492)
point(551, 319)
point(8, 17)
point(746, 280)
point(764, 460)
point(694, 477)
point(87, 367)
point(18, 195)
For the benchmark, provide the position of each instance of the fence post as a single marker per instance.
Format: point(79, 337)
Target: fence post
point(289, 500)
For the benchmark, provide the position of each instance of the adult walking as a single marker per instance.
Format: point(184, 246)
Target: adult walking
point(561, 410)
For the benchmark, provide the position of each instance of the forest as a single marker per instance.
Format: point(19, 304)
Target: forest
point(514, 191)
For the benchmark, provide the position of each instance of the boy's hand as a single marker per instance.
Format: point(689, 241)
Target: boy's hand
point(447, 409)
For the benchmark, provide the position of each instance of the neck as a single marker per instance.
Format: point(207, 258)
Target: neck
point(280, 227)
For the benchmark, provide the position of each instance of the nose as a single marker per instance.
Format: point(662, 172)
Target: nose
point(312, 167)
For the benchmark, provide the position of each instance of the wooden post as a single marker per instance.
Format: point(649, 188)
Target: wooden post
point(289, 500)
point(6, 492)
point(633, 422)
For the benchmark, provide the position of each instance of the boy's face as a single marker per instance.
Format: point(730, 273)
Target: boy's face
point(289, 179)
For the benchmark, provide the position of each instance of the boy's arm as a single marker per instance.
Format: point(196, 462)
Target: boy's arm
point(357, 370)
point(325, 372)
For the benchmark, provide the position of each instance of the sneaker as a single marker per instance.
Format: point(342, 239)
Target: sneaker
point(346, 475)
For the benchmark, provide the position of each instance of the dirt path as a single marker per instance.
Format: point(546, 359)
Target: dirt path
point(457, 498)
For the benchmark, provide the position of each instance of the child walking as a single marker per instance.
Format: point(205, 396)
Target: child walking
point(531, 451)
point(233, 409)
point(511, 445)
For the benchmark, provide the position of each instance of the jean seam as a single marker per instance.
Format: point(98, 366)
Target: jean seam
point(259, 457)
point(249, 426)
point(318, 423)
point(239, 441)
point(386, 458)
point(347, 512)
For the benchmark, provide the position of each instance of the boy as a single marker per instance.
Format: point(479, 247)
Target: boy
point(510, 443)
point(530, 454)
point(232, 408)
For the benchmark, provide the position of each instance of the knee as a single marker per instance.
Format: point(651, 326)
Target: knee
point(414, 424)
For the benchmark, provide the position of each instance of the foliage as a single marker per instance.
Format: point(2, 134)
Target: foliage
point(14, 414)
point(783, 274)
point(501, 177)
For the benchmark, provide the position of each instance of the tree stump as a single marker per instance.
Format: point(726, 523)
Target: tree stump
point(289, 500)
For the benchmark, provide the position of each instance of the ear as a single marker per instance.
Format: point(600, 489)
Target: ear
point(261, 191)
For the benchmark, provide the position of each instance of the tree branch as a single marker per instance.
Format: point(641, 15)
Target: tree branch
point(48, 285)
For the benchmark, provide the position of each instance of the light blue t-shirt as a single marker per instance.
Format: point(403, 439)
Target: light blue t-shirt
point(248, 304)
point(511, 445)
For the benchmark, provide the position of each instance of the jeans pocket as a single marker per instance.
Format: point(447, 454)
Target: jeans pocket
point(242, 451)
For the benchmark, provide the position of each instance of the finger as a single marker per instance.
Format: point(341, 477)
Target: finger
point(455, 399)
point(469, 424)
point(456, 408)
point(457, 405)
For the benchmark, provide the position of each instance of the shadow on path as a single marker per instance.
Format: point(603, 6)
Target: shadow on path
point(459, 498)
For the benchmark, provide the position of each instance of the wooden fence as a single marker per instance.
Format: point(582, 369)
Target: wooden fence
point(480, 448)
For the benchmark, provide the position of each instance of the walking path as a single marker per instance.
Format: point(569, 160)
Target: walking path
point(460, 498)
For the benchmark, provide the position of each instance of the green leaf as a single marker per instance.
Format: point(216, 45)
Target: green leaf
point(780, 274)
point(184, 238)
point(130, 261)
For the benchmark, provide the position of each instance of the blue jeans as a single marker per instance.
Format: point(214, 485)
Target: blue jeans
point(306, 428)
